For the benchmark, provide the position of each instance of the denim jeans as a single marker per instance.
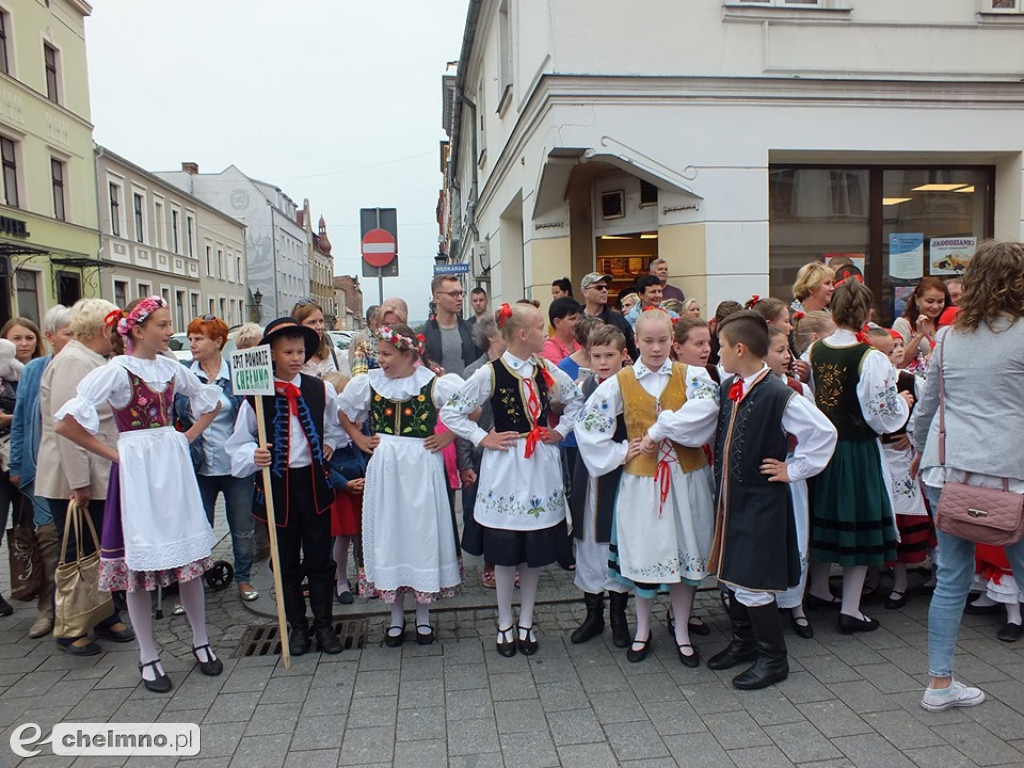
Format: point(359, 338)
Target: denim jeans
point(954, 576)
point(238, 504)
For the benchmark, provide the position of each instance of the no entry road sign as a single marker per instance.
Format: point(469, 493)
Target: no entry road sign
point(379, 248)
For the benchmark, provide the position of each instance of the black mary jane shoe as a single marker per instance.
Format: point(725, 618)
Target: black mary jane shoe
point(424, 638)
point(635, 656)
point(892, 603)
point(345, 598)
point(695, 626)
point(506, 645)
point(125, 635)
point(526, 641)
point(1010, 633)
point(213, 666)
point(393, 641)
point(162, 683)
point(805, 630)
point(814, 603)
point(692, 660)
point(851, 624)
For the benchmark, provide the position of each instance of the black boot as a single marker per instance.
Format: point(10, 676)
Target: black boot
point(621, 636)
point(742, 647)
point(295, 613)
point(321, 599)
point(772, 664)
point(593, 625)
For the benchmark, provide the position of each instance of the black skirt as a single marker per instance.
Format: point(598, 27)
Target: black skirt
point(535, 548)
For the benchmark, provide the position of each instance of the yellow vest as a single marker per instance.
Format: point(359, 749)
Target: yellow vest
point(640, 411)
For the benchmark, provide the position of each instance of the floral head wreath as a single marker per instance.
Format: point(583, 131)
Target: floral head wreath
point(125, 321)
point(400, 342)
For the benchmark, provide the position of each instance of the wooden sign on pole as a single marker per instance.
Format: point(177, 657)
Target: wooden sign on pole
point(252, 373)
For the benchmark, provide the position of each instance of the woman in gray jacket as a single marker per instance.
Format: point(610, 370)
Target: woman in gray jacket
point(982, 365)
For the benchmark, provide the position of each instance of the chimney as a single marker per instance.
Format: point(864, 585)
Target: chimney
point(190, 168)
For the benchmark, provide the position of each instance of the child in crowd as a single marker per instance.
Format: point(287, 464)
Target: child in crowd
point(917, 533)
point(724, 309)
point(811, 327)
point(302, 431)
point(593, 505)
point(520, 502)
point(853, 522)
point(663, 509)
point(155, 529)
point(995, 582)
point(410, 538)
point(774, 311)
point(755, 551)
point(792, 600)
point(348, 472)
point(576, 367)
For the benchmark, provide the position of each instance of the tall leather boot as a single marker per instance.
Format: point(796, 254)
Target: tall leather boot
point(593, 625)
point(772, 663)
point(321, 599)
point(48, 544)
point(741, 647)
point(295, 613)
point(622, 637)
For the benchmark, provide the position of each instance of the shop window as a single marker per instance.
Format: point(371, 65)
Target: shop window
point(9, 153)
point(26, 285)
point(69, 288)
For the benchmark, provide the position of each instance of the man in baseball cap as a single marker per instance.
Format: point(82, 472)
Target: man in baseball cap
point(595, 295)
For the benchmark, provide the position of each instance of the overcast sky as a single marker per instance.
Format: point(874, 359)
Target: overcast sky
point(333, 100)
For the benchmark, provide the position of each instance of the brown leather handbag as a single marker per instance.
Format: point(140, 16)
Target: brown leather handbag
point(983, 515)
point(79, 604)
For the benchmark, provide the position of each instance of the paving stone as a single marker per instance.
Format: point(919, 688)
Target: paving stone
point(700, 749)
point(490, 760)
point(373, 712)
point(464, 676)
point(902, 730)
point(635, 741)
point(270, 719)
point(711, 698)
point(526, 716)
point(469, 704)
point(233, 707)
point(415, 693)
point(535, 750)
point(286, 690)
point(803, 687)
point(945, 756)
point(833, 718)
point(367, 745)
point(890, 678)
point(769, 706)
point(421, 754)
point(315, 733)
point(573, 726)
point(421, 723)
point(983, 746)
point(222, 739)
point(319, 758)
point(829, 669)
point(587, 756)
point(802, 742)
point(262, 751)
point(675, 719)
point(327, 701)
point(472, 737)
point(561, 696)
point(736, 730)
point(617, 708)
point(507, 686)
point(871, 751)
point(760, 757)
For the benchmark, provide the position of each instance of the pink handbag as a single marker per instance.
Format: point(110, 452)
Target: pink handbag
point(983, 515)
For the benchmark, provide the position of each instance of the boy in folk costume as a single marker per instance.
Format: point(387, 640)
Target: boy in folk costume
point(663, 509)
point(593, 507)
point(520, 503)
point(303, 430)
point(755, 549)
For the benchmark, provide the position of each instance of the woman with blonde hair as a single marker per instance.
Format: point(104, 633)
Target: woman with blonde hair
point(813, 288)
point(311, 315)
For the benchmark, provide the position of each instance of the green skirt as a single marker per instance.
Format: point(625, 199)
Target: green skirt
point(851, 514)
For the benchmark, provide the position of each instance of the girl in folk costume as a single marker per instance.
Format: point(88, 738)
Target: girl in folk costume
point(663, 520)
point(995, 582)
point(779, 361)
point(917, 533)
point(155, 530)
point(755, 548)
point(410, 539)
point(853, 523)
point(520, 501)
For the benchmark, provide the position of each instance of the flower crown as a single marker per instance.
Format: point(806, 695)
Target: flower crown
point(400, 342)
point(125, 321)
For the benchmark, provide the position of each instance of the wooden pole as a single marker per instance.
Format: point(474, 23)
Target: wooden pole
point(282, 625)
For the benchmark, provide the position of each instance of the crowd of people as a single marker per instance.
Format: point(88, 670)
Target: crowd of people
point(643, 450)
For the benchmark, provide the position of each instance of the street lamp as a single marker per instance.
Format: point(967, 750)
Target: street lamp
point(441, 258)
point(257, 300)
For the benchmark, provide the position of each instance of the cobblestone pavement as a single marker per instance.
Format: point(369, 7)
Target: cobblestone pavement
point(849, 701)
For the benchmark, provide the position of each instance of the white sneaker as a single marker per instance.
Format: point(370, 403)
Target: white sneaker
point(956, 695)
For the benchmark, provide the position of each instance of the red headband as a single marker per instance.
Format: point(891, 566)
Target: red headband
point(504, 313)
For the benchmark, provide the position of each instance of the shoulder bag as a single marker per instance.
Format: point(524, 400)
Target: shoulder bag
point(982, 515)
point(79, 604)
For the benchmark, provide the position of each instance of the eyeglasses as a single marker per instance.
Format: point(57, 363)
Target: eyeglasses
point(453, 294)
point(306, 303)
point(208, 318)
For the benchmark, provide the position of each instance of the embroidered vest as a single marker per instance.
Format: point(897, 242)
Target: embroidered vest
point(415, 417)
point(605, 487)
point(311, 417)
point(147, 409)
point(508, 402)
point(836, 374)
point(640, 410)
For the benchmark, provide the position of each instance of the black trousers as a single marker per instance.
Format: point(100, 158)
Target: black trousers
point(304, 545)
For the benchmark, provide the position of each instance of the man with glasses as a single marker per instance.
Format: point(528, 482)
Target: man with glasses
point(449, 339)
point(595, 294)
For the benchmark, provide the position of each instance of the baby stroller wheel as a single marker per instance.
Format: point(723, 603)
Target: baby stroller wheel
point(220, 575)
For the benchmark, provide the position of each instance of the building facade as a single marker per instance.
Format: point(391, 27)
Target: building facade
point(349, 298)
point(736, 139)
point(276, 251)
point(48, 236)
point(156, 239)
point(321, 266)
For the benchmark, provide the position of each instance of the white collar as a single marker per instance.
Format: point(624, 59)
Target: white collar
point(296, 381)
point(641, 370)
point(514, 362)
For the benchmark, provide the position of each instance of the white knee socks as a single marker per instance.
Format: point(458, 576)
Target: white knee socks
point(819, 584)
point(140, 610)
point(397, 615)
point(853, 586)
point(504, 584)
point(643, 618)
point(682, 601)
point(528, 580)
point(341, 545)
point(193, 598)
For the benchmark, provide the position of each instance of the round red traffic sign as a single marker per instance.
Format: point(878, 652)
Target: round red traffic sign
point(379, 248)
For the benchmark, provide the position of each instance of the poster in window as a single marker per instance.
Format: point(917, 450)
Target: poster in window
point(950, 255)
point(906, 255)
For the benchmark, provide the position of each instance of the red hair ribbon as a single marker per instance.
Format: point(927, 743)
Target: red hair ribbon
point(753, 300)
point(736, 391)
point(674, 320)
point(863, 338)
point(112, 317)
point(896, 335)
point(504, 313)
point(798, 316)
point(848, 276)
point(421, 338)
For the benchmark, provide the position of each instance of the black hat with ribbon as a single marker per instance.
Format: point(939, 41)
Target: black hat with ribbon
point(289, 326)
